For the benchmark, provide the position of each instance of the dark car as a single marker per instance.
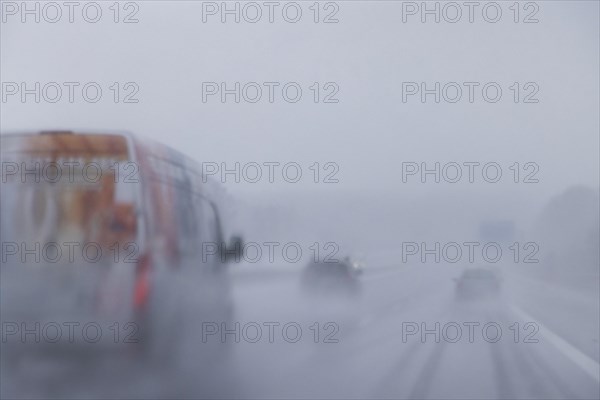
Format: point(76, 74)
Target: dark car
point(339, 277)
point(477, 283)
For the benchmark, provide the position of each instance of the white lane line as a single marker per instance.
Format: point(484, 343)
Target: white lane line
point(587, 364)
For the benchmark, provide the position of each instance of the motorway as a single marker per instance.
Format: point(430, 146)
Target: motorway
point(366, 344)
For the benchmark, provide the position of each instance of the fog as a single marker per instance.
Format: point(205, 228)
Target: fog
point(372, 161)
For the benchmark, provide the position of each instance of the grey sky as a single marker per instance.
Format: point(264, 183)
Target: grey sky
point(369, 53)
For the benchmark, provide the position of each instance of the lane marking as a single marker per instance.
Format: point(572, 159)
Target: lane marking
point(587, 364)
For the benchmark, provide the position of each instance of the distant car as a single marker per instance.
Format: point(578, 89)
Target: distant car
point(339, 277)
point(477, 283)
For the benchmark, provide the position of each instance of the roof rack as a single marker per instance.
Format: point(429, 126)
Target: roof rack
point(57, 132)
